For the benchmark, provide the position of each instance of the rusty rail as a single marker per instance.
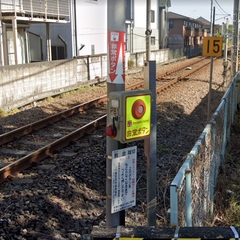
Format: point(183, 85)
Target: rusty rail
point(26, 161)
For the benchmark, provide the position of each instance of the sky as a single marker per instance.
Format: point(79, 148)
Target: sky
point(202, 8)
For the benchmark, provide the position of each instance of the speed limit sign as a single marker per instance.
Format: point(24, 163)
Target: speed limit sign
point(212, 46)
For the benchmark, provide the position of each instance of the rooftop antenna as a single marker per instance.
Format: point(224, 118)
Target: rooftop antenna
point(194, 13)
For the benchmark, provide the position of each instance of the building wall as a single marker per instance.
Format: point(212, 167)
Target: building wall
point(91, 22)
point(163, 28)
point(88, 28)
point(17, 16)
point(58, 33)
point(139, 40)
point(177, 27)
point(139, 37)
point(20, 38)
point(26, 83)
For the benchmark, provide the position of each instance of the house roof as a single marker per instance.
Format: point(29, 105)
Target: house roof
point(172, 15)
point(205, 21)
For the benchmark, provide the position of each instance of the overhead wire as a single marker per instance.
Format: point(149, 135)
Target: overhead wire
point(224, 12)
point(221, 7)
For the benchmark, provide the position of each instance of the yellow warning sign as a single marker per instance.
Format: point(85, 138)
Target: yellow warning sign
point(212, 46)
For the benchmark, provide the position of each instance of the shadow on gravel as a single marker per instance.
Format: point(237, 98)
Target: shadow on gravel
point(76, 199)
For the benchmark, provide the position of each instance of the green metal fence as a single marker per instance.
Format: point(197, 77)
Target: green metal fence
point(192, 189)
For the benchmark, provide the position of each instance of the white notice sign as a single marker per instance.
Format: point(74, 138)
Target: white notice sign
point(123, 178)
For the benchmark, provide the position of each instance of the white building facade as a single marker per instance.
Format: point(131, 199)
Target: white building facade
point(80, 28)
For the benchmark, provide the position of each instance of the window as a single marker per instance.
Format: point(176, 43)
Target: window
point(152, 16)
point(171, 24)
point(58, 52)
point(92, 49)
point(152, 40)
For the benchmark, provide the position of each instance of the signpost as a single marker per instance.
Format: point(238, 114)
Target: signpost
point(124, 178)
point(116, 53)
point(212, 46)
point(116, 14)
point(131, 116)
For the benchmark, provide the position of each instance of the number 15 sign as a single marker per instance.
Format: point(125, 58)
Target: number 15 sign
point(212, 46)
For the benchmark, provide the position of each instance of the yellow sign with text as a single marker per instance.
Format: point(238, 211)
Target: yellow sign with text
point(138, 116)
point(212, 46)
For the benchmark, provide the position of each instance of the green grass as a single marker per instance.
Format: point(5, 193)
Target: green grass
point(164, 149)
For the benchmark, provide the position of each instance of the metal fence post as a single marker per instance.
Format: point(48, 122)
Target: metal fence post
point(188, 176)
point(213, 165)
point(224, 144)
point(174, 205)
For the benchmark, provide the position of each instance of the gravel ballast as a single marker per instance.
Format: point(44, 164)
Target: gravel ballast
point(63, 196)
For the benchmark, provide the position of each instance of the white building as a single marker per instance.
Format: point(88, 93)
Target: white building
point(46, 30)
point(16, 17)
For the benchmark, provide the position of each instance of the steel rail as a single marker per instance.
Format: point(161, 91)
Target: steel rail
point(9, 136)
point(46, 151)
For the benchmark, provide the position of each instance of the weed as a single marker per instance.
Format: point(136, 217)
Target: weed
point(49, 99)
point(14, 110)
point(130, 63)
point(164, 149)
point(3, 113)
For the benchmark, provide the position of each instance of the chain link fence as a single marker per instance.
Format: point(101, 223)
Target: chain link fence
point(192, 189)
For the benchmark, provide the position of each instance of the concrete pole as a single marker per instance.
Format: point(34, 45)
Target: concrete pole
point(211, 18)
point(1, 46)
point(225, 60)
point(116, 10)
point(148, 31)
point(150, 143)
point(211, 72)
point(235, 38)
point(14, 29)
point(49, 45)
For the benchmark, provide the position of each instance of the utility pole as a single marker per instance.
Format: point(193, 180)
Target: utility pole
point(211, 18)
point(148, 31)
point(225, 60)
point(150, 143)
point(235, 41)
point(116, 10)
point(211, 71)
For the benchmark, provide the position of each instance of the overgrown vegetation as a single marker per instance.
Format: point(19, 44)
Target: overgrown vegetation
point(3, 113)
point(130, 63)
point(49, 99)
point(227, 197)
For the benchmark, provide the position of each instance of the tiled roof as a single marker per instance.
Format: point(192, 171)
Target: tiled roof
point(205, 21)
point(172, 15)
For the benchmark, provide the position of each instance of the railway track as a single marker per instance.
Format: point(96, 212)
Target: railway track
point(34, 142)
